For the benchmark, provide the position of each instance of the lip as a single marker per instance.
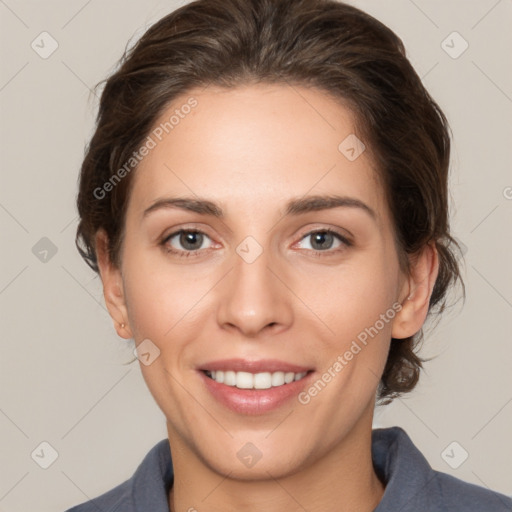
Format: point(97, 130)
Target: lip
point(254, 401)
point(262, 365)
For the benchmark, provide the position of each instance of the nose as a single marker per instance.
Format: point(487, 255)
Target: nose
point(253, 300)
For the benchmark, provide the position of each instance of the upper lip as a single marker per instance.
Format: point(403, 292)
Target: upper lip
point(253, 366)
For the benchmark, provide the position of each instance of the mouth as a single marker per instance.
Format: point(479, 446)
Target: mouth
point(254, 387)
point(247, 380)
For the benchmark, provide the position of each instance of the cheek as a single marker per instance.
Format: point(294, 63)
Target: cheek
point(159, 297)
point(354, 299)
point(359, 307)
point(163, 306)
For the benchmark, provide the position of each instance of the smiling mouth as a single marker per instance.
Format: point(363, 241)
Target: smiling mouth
point(247, 380)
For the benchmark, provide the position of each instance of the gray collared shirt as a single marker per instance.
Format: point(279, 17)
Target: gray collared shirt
point(411, 484)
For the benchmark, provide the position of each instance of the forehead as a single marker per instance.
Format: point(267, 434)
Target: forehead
point(255, 145)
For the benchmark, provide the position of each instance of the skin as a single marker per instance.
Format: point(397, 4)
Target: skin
point(250, 150)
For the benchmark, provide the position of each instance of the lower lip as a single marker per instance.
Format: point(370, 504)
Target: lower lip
point(254, 401)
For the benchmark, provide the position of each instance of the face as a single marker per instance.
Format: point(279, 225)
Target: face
point(259, 268)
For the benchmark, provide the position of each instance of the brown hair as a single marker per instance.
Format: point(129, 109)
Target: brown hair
point(324, 44)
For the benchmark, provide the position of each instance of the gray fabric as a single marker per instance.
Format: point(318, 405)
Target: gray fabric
point(411, 484)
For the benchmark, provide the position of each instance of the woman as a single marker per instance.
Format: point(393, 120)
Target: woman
point(265, 199)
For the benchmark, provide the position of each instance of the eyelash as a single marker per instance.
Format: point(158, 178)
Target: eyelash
point(194, 253)
point(329, 252)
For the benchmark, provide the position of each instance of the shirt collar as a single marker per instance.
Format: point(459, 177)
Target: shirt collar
point(398, 463)
point(153, 479)
point(401, 466)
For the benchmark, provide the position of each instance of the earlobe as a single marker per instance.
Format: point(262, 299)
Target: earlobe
point(112, 287)
point(417, 290)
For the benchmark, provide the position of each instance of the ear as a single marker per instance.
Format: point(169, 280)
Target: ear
point(112, 287)
point(416, 292)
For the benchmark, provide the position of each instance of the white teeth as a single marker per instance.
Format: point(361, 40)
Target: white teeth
point(246, 380)
point(262, 380)
point(229, 378)
point(277, 379)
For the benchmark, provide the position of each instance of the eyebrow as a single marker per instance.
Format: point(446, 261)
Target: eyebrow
point(293, 207)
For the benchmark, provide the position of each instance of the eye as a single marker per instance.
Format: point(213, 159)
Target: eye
point(324, 240)
point(186, 242)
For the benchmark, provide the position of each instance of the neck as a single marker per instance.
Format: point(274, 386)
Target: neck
point(342, 480)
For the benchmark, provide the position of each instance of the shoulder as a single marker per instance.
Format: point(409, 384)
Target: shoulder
point(146, 489)
point(117, 499)
point(412, 484)
point(456, 494)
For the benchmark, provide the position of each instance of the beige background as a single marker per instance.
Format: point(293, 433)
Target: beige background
point(63, 377)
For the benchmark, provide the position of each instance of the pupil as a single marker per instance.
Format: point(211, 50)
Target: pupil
point(190, 240)
point(322, 238)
